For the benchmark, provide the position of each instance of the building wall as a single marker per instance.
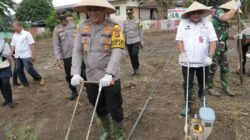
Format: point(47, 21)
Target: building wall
point(123, 6)
point(144, 14)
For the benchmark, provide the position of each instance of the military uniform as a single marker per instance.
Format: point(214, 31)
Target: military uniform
point(220, 56)
point(134, 37)
point(100, 47)
point(63, 42)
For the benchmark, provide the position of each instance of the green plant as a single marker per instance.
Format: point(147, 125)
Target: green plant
point(32, 10)
point(44, 35)
point(51, 20)
point(24, 132)
point(26, 25)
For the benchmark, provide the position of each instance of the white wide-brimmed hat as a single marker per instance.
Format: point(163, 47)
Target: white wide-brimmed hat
point(229, 5)
point(196, 6)
point(84, 4)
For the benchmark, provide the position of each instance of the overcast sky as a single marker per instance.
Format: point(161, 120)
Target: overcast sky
point(59, 2)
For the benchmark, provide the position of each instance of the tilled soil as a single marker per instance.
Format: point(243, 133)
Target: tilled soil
point(44, 112)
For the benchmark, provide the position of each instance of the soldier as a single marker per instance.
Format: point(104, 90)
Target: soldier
point(134, 39)
point(100, 42)
point(196, 39)
point(63, 43)
point(220, 20)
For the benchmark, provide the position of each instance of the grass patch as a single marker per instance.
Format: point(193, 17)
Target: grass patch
point(24, 132)
point(44, 35)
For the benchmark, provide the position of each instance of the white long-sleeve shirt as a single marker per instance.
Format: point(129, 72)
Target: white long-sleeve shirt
point(196, 38)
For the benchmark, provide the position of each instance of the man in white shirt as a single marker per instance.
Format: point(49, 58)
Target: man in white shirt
point(23, 45)
point(196, 39)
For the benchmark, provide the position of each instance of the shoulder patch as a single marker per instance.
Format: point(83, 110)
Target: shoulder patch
point(117, 39)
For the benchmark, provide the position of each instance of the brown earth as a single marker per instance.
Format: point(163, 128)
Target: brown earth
point(44, 112)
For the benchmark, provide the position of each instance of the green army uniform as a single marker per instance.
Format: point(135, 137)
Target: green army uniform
point(220, 56)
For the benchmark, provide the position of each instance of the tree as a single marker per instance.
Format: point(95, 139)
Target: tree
point(5, 5)
point(5, 15)
point(51, 20)
point(31, 10)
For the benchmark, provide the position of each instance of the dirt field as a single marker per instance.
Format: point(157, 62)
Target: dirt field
point(44, 113)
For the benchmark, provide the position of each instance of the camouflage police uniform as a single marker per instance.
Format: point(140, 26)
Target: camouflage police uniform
point(100, 47)
point(220, 56)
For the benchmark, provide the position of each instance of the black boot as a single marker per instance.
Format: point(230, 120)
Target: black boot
point(73, 96)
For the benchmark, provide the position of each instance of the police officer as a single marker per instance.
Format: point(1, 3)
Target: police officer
point(63, 42)
point(134, 39)
point(220, 20)
point(100, 42)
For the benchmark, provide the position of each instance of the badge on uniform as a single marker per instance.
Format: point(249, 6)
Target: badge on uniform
point(85, 29)
point(187, 28)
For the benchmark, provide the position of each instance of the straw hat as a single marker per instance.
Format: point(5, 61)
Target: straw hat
point(84, 4)
point(196, 6)
point(229, 5)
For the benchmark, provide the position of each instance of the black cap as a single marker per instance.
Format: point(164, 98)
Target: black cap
point(130, 11)
point(61, 14)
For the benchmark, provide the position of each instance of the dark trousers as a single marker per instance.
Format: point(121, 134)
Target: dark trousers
point(67, 68)
point(133, 50)
point(6, 89)
point(26, 63)
point(244, 52)
point(110, 100)
point(15, 81)
point(199, 76)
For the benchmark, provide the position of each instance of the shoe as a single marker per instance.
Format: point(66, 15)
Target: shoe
point(202, 102)
point(11, 105)
point(42, 82)
point(183, 111)
point(228, 91)
point(226, 88)
point(73, 96)
point(133, 73)
point(137, 72)
point(117, 130)
point(106, 127)
point(16, 84)
point(20, 86)
point(213, 92)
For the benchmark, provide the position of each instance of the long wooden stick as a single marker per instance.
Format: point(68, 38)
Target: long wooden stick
point(239, 48)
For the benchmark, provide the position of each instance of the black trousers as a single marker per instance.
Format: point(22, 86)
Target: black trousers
point(110, 100)
point(15, 81)
point(133, 50)
point(67, 68)
point(6, 89)
point(199, 76)
point(244, 52)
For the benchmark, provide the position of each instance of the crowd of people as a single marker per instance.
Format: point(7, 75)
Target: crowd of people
point(92, 51)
